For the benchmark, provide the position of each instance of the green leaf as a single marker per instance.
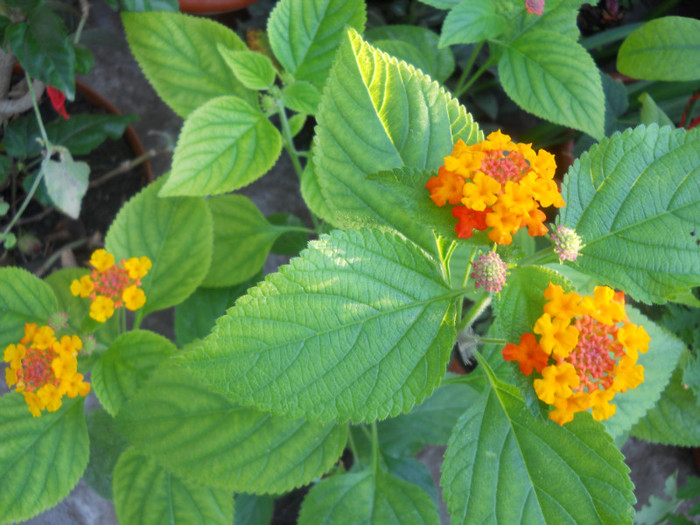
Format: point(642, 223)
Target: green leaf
point(201, 435)
point(253, 510)
point(403, 119)
point(42, 47)
point(634, 199)
point(149, 5)
point(224, 145)
point(9, 239)
point(312, 195)
point(554, 78)
point(301, 96)
point(559, 16)
point(254, 70)
point(296, 124)
point(145, 493)
point(659, 363)
point(304, 36)
point(413, 471)
point(41, 459)
point(24, 298)
point(106, 445)
point(127, 365)
point(471, 22)
point(667, 48)
point(653, 114)
point(420, 48)
point(674, 419)
point(83, 133)
point(21, 134)
point(67, 183)
point(502, 465)
point(292, 241)
point(175, 233)
point(179, 56)
point(442, 4)
point(242, 240)
point(362, 321)
point(381, 499)
point(84, 60)
point(196, 315)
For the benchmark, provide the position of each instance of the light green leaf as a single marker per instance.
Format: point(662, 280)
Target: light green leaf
point(422, 50)
point(471, 22)
point(667, 48)
point(554, 78)
point(674, 420)
point(41, 459)
point(254, 70)
point(175, 233)
point(659, 363)
point(224, 145)
point(635, 199)
point(106, 445)
point(362, 320)
point(381, 499)
point(304, 36)
point(502, 465)
point(66, 182)
point(301, 96)
point(651, 113)
point(24, 298)
point(145, 493)
point(179, 56)
point(296, 123)
point(125, 367)
point(559, 16)
point(242, 240)
point(312, 195)
point(201, 435)
point(377, 114)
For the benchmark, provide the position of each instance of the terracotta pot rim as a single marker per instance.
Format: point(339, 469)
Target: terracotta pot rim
point(212, 7)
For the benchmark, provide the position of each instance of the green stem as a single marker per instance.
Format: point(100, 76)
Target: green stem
point(492, 341)
point(544, 256)
point(137, 320)
point(468, 270)
point(468, 67)
point(40, 122)
point(122, 321)
point(375, 449)
point(475, 76)
point(353, 447)
point(475, 311)
point(84, 10)
point(297, 229)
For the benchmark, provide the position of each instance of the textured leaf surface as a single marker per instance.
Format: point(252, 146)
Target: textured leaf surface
point(556, 79)
point(377, 114)
point(301, 96)
point(471, 22)
point(242, 240)
point(41, 459)
point(145, 493)
point(178, 54)
point(304, 36)
point(236, 448)
point(502, 465)
point(254, 70)
point(24, 298)
point(358, 328)
point(635, 200)
point(224, 145)
point(667, 48)
point(312, 195)
point(175, 233)
point(364, 498)
point(126, 366)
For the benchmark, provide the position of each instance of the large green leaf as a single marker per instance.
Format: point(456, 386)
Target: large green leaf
point(242, 240)
point(555, 78)
point(635, 200)
point(224, 145)
point(201, 435)
point(145, 493)
point(179, 56)
point(359, 327)
point(667, 48)
point(304, 36)
point(312, 195)
point(41, 459)
point(24, 298)
point(175, 233)
point(379, 499)
point(377, 114)
point(106, 445)
point(126, 366)
point(471, 22)
point(503, 465)
point(559, 16)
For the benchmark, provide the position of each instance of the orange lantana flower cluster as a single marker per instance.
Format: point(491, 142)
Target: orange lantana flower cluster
point(497, 184)
point(111, 285)
point(587, 352)
point(44, 368)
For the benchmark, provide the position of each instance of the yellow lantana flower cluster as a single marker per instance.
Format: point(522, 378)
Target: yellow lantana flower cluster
point(111, 286)
point(44, 368)
point(587, 352)
point(497, 184)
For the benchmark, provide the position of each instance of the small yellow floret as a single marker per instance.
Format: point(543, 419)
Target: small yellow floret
point(101, 260)
point(133, 298)
point(101, 308)
point(82, 287)
point(137, 266)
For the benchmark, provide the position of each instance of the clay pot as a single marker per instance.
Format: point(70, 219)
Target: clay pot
point(210, 7)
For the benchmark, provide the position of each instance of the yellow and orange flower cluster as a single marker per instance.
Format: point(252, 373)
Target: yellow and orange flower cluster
point(111, 286)
point(45, 368)
point(497, 184)
point(587, 352)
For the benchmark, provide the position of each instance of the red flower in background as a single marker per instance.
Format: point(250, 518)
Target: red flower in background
point(58, 100)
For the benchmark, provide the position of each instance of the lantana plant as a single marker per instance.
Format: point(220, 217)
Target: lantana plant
point(429, 239)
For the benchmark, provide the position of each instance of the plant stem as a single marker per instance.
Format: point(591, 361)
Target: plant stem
point(353, 447)
point(40, 122)
point(84, 10)
point(375, 449)
point(54, 256)
point(475, 311)
point(492, 341)
point(468, 67)
point(475, 77)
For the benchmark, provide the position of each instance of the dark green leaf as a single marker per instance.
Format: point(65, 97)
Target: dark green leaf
point(291, 242)
point(21, 136)
point(253, 510)
point(83, 133)
point(106, 445)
